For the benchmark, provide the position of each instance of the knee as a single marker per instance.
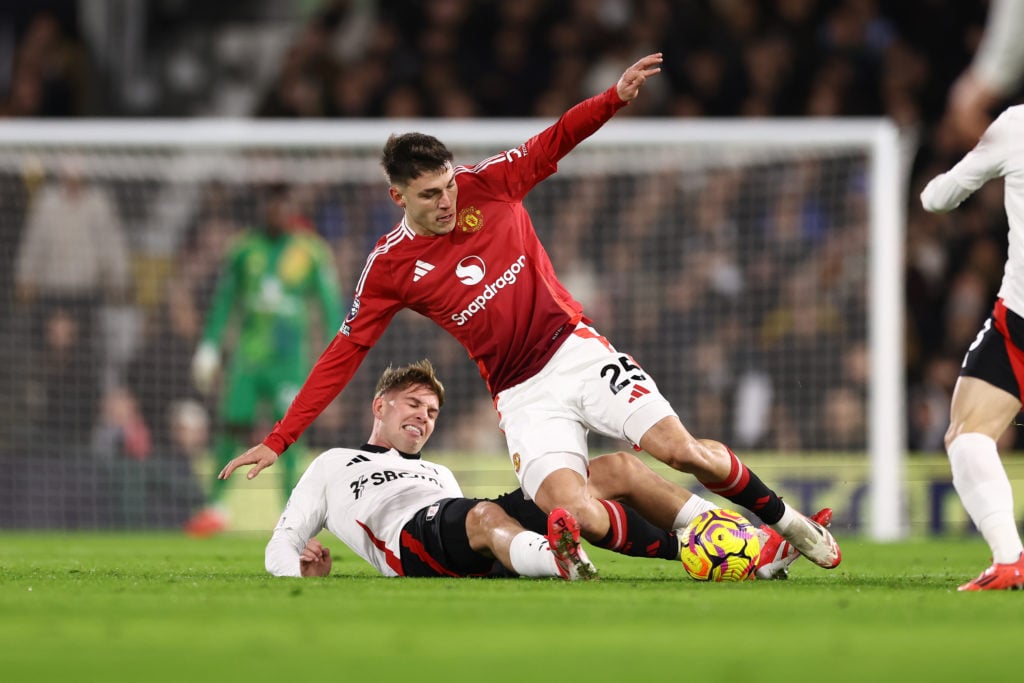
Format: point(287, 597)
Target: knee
point(612, 474)
point(483, 516)
point(622, 464)
point(485, 521)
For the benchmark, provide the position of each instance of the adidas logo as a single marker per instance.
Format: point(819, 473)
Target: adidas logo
point(422, 268)
point(638, 391)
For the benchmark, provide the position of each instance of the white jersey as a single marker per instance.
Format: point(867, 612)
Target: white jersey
point(1000, 152)
point(999, 61)
point(362, 497)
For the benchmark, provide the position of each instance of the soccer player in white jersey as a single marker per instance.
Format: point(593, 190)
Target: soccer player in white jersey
point(408, 517)
point(987, 395)
point(466, 255)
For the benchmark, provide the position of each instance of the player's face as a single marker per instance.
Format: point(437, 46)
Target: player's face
point(429, 201)
point(406, 417)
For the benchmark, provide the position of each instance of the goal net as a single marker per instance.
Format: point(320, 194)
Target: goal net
point(753, 269)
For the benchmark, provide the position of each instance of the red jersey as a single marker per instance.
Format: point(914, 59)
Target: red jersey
point(488, 282)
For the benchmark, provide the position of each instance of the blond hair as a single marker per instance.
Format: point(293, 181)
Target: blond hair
point(420, 372)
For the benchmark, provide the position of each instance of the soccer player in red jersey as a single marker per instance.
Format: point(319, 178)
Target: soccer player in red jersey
point(466, 256)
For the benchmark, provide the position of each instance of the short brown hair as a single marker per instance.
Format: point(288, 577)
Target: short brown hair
point(410, 155)
point(420, 372)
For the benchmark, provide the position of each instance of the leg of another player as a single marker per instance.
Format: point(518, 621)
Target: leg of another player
point(714, 466)
point(491, 532)
point(213, 518)
point(624, 477)
point(721, 472)
point(605, 522)
point(566, 488)
point(979, 414)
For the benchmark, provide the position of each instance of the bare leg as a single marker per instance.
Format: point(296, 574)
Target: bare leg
point(567, 489)
point(979, 414)
point(493, 533)
point(490, 531)
point(624, 477)
point(671, 443)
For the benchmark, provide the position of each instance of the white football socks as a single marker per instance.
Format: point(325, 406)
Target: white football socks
point(986, 494)
point(531, 555)
point(789, 516)
point(690, 510)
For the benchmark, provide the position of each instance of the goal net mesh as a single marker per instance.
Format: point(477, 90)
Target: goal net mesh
point(736, 274)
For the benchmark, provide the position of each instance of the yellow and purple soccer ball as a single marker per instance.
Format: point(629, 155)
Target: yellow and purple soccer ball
point(720, 545)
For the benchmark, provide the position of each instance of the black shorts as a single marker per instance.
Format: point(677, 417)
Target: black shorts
point(523, 511)
point(434, 541)
point(996, 355)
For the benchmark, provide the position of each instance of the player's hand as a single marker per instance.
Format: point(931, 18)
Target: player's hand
point(629, 84)
point(261, 456)
point(315, 559)
point(205, 365)
point(969, 109)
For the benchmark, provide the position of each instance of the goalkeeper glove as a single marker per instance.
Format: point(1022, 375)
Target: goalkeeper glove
point(205, 365)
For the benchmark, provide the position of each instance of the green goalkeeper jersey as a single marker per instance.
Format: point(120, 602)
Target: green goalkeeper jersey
point(268, 283)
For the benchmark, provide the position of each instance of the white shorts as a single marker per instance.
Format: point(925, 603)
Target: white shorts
point(587, 385)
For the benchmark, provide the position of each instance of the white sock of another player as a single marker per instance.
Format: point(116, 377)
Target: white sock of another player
point(984, 490)
point(531, 555)
point(691, 508)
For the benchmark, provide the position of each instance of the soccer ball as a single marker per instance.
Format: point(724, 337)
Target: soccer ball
point(720, 545)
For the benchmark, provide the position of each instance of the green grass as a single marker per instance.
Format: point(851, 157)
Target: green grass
point(120, 607)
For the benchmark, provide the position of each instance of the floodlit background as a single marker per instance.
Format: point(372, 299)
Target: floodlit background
point(741, 284)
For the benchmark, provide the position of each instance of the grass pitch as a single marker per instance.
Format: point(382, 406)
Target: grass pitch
point(121, 607)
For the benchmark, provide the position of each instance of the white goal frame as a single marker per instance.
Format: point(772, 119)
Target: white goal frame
point(881, 141)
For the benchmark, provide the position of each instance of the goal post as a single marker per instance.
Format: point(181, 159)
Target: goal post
point(753, 267)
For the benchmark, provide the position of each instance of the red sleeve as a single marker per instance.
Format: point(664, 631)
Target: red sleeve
point(329, 375)
point(538, 157)
point(576, 125)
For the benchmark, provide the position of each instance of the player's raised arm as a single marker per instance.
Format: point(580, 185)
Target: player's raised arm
point(629, 83)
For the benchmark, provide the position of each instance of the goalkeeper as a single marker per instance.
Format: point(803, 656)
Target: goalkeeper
point(264, 290)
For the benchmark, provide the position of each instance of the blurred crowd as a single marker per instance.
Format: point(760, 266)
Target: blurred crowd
point(480, 58)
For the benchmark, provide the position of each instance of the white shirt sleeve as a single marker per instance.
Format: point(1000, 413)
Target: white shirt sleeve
point(303, 518)
point(987, 160)
point(999, 61)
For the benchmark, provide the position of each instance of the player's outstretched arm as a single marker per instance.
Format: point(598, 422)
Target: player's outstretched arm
point(261, 456)
point(629, 84)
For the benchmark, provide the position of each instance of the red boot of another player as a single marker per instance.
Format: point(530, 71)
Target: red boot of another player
point(206, 522)
point(564, 538)
point(999, 577)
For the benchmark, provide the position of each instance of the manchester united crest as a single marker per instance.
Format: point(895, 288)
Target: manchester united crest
point(471, 219)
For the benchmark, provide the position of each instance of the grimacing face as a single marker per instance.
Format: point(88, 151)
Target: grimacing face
point(406, 417)
point(430, 202)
